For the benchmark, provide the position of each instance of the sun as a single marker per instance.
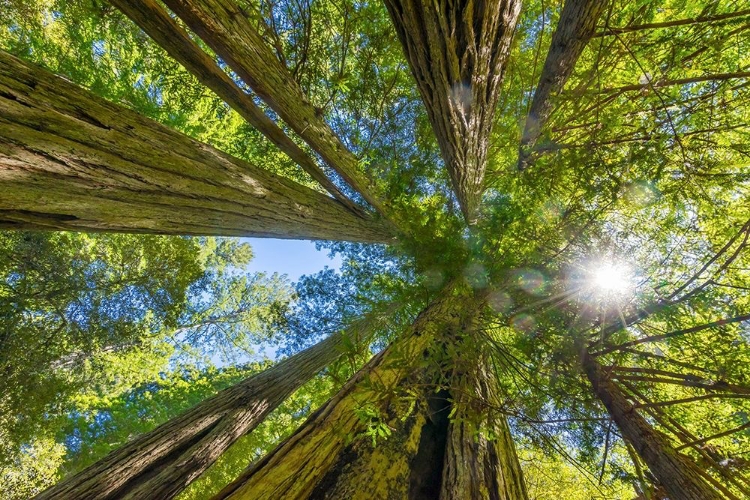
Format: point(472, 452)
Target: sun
point(609, 279)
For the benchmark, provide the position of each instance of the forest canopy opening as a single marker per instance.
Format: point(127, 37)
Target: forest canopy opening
point(541, 212)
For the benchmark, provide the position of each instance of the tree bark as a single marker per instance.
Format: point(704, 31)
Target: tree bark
point(327, 454)
point(676, 472)
point(224, 27)
point(574, 30)
point(458, 52)
point(72, 161)
point(156, 22)
point(480, 460)
point(161, 463)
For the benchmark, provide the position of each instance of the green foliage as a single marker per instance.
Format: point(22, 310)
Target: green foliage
point(86, 318)
point(645, 161)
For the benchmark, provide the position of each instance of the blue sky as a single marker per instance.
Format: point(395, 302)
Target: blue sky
point(291, 257)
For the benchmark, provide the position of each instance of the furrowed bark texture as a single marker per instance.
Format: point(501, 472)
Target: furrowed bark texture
point(678, 474)
point(224, 27)
point(480, 459)
point(326, 451)
point(574, 30)
point(457, 52)
point(72, 161)
point(156, 22)
point(161, 463)
point(365, 471)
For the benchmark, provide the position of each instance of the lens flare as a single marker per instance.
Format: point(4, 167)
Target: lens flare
point(610, 279)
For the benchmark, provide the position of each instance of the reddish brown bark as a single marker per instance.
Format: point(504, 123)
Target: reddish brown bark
point(676, 472)
point(574, 30)
point(458, 52)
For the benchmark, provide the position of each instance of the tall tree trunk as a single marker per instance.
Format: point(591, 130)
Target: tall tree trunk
point(426, 456)
point(330, 449)
point(678, 474)
point(457, 52)
point(224, 26)
point(480, 459)
point(152, 18)
point(72, 161)
point(161, 463)
point(574, 30)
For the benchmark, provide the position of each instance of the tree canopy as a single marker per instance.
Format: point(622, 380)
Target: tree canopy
point(542, 211)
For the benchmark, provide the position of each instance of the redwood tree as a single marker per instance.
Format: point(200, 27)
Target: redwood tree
point(575, 222)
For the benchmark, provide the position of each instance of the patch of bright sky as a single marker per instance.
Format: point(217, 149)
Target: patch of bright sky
point(291, 257)
point(294, 258)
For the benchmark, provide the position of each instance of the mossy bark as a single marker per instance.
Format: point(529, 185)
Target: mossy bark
point(161, 463)
point(480, 460)
point(426, 456)
point(70, 160)
point(306, 463)
point(457, 52)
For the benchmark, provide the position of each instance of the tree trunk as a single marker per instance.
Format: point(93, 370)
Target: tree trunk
point(457, 52)
point(224, 26)
point(329, 453)
point(72, 161)
point(480, 460)
point(574, 30)
point(161, 463)
point(678, 474)
point(156, 22)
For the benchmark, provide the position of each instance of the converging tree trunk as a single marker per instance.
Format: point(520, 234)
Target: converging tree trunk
point(70, 160)
point(161, 463)
point(457, 52)
point(678, 474)
point(152, 18)
point(574, 30)
point(314, 459)
point(224, 26)
point(480, 458)
point(396, 400)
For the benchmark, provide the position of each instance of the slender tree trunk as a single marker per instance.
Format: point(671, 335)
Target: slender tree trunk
point(72, 161)
point(161, 463)
point(152, 18)
point(224, 26)
point(574, 30)
point(678, 474)
point(329, 453)
point(457, 52)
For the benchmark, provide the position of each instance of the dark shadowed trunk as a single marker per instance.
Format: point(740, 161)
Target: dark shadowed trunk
point(224, 26)
point(678, 474)
point(161, 463)
point(72, 161)
point(574, 30)
point(457, 52)
point(423, 455)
